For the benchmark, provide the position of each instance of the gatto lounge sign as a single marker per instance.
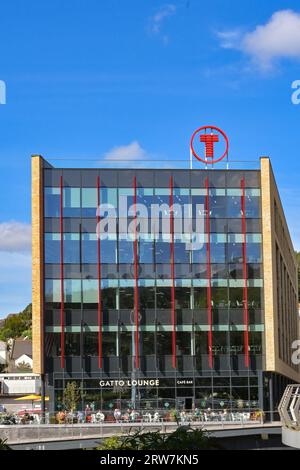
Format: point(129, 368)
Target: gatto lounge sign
point(129, 383)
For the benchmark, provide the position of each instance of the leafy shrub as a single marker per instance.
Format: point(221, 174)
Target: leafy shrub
point(184, 438)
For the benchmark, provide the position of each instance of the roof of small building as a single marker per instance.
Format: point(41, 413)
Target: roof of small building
point(3, 346)
point(21, 346)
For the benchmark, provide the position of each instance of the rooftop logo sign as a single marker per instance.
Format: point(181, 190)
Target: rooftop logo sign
point(209, 136)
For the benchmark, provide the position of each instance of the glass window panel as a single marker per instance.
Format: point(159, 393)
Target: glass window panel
point(109, 251)
point(109, 344)
point(163, 271)
point(89, 248)
point(234, 225)
point(234, 206)
point(253, 238)
point(89, 202)
point(52, 248)
point(71, 248)
point(52, 202)
point(237, 342)
point(147, 342)
point(90, 291)
point(254, 271)
point(162, 252)
point(201, 343)
point(255, 342)
point(236, 297)
point(253, 225)
point(219, 297)
point(108, 297)
point(252, 206)
point(217, 254)
point(52, 344)
point(109, 196)
point(52, 290)
point(218, 271)
point(89, 198)
point(72, 291)
point(182, 297)
point(126, 297)
point(182, 271)
point(181, 252)
point(254, 297)
point(198, 205)
point(146, 297)
point(71, 202)
point(183, 343)
point(146, 251)
point(220, 342)
point(217, 206)
point(90, 343)
point(164, 343)
point(126, 271)
point(126, 342)
point(253, 253)
point(236, 271)
point(126, 251)
point(163, 297)
point(200, 297)
point(127, 282)
point(235, 252)
point(72, 344)
point(199, 255)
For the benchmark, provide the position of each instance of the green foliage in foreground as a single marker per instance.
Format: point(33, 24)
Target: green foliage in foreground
point(3, 445)
point(184, 438)
point(17, 326)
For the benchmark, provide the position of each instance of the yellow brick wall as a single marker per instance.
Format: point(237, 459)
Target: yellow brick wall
point(37, 262)
point(269, 195)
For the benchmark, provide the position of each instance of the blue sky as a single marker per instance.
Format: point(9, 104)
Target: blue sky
point(95, 78)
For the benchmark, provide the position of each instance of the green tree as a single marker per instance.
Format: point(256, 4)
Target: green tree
point(184, 438)
point(16, 326)
point(71, 396)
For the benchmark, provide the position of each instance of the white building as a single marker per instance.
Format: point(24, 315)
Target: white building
point(20, 384)
point(24, 359)
point(3, 353)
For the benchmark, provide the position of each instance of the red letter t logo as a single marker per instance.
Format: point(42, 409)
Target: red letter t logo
point(209, 140)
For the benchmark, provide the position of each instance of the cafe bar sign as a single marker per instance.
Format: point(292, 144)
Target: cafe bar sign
point(130, 383)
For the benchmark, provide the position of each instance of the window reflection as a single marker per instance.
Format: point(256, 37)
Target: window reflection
point(183, 343)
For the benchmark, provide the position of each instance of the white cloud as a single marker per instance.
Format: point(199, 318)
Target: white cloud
point(15, 237)
point(15, 282)
point(157, 20)
point(133, 155)
point(132, 151)
point(277, 39)
point(15, 267)
point(229, 39)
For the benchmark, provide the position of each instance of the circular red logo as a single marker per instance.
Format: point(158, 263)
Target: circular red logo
point(209, 135)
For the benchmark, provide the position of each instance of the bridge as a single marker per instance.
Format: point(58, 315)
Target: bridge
point(289, 410)
point(76, 436)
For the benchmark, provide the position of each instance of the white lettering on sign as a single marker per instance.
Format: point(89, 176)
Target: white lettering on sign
point(130, 383)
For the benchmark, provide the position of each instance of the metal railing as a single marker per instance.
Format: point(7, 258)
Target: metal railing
point(33, 432)
point(289, 407)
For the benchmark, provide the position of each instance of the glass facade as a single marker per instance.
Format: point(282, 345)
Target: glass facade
point(212, 250)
